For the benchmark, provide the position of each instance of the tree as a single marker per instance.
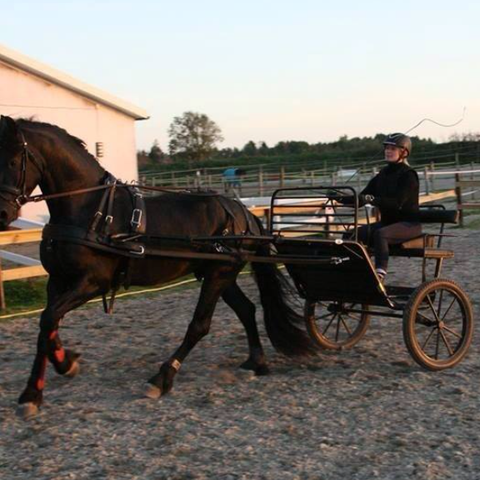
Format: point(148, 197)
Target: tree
point(250, 149)
point(156, 155)
point(193, 136)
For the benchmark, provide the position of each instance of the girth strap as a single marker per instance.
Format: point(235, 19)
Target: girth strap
point(88, 238)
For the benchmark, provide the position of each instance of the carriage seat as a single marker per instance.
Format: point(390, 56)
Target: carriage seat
point(425, 245)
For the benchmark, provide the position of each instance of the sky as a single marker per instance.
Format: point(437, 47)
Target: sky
point(266, 70)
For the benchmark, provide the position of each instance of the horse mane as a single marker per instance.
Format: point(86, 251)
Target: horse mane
point(56, 130)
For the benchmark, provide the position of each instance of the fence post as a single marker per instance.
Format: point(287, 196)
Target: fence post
point(312, 178)
point(427, 184)
point(457, 161)
point(282, 176)
point(458, 193)
point(260, 181)
point(472, 167)
point(432, 181)
point(3, 304)
point(267, 213)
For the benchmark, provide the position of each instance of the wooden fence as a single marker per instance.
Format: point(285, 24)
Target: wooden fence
point(460, 186)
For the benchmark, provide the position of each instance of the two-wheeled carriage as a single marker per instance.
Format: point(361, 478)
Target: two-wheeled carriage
point(341, 296)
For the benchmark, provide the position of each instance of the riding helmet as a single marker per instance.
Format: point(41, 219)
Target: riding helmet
point(399, 140)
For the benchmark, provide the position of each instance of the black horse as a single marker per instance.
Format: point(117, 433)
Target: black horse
point(34, 153)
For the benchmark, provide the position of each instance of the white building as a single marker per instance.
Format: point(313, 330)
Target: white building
point(105, 123)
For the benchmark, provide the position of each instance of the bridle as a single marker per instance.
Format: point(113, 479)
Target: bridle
point(18, 194)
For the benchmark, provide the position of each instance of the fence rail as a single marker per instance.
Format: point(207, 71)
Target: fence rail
point(260, 181)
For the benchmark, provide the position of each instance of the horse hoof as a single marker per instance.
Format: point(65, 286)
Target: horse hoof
point(262, 370)
point(27, 410)
point(152, 391)
point(74, 370)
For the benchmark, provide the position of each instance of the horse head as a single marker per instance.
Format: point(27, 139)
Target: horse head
point(20, 170)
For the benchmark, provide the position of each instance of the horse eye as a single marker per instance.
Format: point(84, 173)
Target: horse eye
point(12, 163)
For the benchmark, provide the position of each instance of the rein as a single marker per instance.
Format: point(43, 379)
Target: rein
point(39, 198)
point(21, 198)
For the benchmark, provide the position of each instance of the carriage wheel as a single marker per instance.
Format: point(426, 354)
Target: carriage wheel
point(438, 324)
point(333, 326)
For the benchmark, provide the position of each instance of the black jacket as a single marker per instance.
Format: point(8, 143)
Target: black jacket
point(396, 191)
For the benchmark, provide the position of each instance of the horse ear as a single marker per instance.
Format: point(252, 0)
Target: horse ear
point(8, 128)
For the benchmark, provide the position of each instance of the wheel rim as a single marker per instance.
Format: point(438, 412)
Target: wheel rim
point(441, 325)
point(334, 325)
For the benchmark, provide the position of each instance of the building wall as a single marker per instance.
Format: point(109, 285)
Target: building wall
point(25, 95)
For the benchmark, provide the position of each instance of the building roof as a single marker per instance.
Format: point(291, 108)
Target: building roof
point(27, 64)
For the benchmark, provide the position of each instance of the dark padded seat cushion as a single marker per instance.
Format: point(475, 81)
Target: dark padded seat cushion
point(438, 216)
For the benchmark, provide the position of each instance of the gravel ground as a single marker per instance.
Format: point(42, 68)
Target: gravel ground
point(369, 412)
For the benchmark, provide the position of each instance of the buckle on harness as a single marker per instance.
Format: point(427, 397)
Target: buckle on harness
point(137, 215)
point(139, 252)
point(21, 201)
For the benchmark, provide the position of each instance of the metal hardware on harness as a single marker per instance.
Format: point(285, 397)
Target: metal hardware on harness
point(139, 252)
point(109, 219)
point(339, 260)
point(21, 201)
point(219, 247)
point(136, 218)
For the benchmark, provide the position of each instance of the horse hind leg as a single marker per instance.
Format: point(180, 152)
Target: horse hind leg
point(214, 284)
point(245, 310)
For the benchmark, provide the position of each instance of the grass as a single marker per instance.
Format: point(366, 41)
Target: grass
point(31, 294)
point(27, 295)
point(22, 295)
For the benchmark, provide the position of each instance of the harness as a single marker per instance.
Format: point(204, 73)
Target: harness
point(131, 242)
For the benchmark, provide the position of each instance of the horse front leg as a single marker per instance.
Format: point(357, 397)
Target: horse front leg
point(49, 345)
point(214, 284)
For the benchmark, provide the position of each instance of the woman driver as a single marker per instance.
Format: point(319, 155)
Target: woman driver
point(394, 191)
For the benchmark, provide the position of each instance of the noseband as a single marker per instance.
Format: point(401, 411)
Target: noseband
point(19, 192)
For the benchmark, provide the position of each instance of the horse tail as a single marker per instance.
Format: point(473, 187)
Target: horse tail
point(281, 321)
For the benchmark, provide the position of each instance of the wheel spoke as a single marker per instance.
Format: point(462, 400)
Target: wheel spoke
point(452, 331)
point(432, 308)
point(437, 346)
point(424, 346)
point(329, 323)
point(428, 319)
point(353, 317)
point(346, 326)
point(439, 311)
point(445, 341)
point(448, 309)
point(338, 328)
